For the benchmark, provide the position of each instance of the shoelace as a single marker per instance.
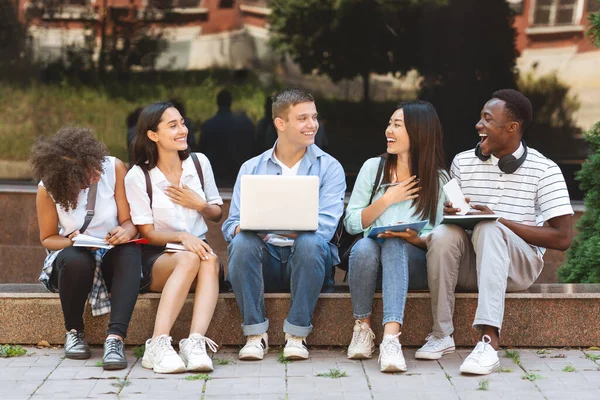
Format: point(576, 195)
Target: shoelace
point(113, 345)
point(480, 348)
point(75, 338)
point(296, 341)
point(163, 344)
point(432, 341)
point(392, 346)
point(198, 343)
point(255, 340)
point(362, 335)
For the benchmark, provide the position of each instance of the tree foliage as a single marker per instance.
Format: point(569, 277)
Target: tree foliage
point(344, 39)
point(15, 49)
point(583, 257)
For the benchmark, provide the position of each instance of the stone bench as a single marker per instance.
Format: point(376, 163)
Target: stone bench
point(546, 315)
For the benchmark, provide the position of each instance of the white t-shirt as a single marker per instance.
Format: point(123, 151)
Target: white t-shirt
point(535, 193)
point(279, 240)
point(166, 215)
point(105, 211)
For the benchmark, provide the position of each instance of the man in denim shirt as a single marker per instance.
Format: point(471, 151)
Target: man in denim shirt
point(299, 263)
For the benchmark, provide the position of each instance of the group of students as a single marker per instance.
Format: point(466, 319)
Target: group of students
point(169, 193)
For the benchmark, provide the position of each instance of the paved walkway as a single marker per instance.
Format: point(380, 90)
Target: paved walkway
point(45, 374)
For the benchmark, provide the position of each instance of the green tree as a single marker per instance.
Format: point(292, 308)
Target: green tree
point(344, 39)
point(15, 51)
point(467, 52)
point(583, 257)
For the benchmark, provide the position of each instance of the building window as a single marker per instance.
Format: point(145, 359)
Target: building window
point(593, 5)
point(516, 6)
point(556, 12)
point(226, 3)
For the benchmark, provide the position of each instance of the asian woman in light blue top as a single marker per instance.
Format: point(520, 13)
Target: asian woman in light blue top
point(409, 189)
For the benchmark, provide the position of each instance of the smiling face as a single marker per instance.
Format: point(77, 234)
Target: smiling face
point(171, 133)
point(396, 134)
point(300, 126)
point(496, 130)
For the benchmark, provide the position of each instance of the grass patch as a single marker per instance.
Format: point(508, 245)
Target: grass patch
point(98, 363)
point(513, 355)
point(592, 357)
point(448, 376)
point(504, 369)
point(138, 351)
point(569, 368)
point(283, 359)
point(484, 384)
point(333, 373)
point(530, 376)
point(198, 377)
point(543, 351)
point(9, 350)
point(121, 383)
point(223, 361)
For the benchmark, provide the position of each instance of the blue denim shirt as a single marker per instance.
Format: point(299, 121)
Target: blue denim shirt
point(332, 187)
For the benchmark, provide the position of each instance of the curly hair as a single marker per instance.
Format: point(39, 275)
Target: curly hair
point(64, 163)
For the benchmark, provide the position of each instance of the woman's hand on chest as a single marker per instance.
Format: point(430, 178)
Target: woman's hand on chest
point(185, 197)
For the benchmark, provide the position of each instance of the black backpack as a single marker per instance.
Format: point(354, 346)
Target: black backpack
point(345, 241)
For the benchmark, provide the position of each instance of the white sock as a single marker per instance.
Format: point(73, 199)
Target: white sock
point(388, 337)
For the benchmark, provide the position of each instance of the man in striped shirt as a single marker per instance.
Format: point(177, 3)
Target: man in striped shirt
point(528, 193)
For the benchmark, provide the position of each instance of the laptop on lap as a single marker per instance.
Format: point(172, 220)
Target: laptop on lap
point(279, 204)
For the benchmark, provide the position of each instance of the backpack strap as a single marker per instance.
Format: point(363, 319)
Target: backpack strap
point(149, 182)
point(89, 208)
point(377, 178)
point(199, 170)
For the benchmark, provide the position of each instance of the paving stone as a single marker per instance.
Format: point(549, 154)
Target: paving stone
point(66, 389)
point(25, 373)
point(18, 389)
point(245, 386)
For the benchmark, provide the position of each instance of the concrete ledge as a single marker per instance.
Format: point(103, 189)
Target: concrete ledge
point(546, 315)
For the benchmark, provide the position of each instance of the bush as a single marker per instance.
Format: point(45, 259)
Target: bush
point(583, 258)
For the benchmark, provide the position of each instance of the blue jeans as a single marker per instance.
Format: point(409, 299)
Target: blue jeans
point(256, 267)
point(393, 265)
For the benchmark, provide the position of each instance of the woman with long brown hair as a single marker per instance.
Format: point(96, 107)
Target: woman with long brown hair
point(407, 187)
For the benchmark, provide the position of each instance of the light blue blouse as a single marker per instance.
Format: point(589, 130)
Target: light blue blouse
point(404, 211)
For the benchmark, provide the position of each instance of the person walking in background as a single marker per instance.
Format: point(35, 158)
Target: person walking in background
point(171, 192)
point(78, 176)
point(413, 173)
point(227, 139)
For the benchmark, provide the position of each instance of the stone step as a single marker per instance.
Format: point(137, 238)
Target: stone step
point(547, 315)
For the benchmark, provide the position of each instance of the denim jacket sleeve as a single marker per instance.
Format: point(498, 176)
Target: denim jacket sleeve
point(233, 220)
point(331, 199)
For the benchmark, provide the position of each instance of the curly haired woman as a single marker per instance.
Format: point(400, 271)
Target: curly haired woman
point(69, 164)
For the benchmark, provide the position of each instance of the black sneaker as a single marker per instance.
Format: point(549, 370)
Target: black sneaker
point(114, 354)
point(75, 346)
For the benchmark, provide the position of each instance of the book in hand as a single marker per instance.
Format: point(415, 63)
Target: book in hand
point(90, 241)
point(174, 248)
point(468, 221)
point(416, 226)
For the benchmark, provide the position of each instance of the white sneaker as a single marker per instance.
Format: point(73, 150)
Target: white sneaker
point(193, 353)
point(363, 342)
point(435, 347)
point(390, 355)
point(160, 356)
point(295, 347)
point(256, 347)
point(482, 360)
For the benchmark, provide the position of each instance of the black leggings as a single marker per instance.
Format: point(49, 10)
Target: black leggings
point(73, 274)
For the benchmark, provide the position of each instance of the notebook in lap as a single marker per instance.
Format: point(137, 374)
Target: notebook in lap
point(279, 204)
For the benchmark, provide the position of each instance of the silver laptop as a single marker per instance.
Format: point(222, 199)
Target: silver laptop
point(279, 204)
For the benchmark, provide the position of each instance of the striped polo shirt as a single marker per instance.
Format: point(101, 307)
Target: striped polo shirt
point(535, 193)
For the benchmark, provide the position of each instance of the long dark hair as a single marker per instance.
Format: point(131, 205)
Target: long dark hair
point(144, 150)
point(426, 155)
